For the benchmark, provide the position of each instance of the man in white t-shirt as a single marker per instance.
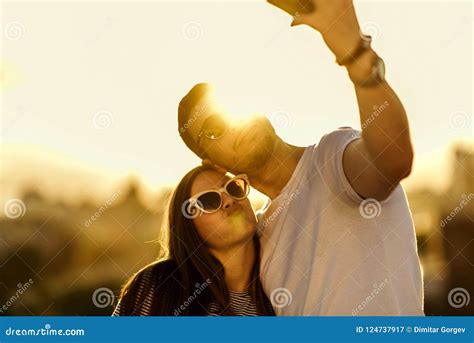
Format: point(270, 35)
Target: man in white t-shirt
point(337, 237)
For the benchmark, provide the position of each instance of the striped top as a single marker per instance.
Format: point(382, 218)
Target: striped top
point(241, 303)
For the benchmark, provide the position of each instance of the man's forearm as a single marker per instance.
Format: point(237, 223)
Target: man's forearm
point(376, 163)
point(385, 131)
point(384, 123)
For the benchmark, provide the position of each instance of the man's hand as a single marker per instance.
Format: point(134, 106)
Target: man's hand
point(336, 20)
point(294, 7)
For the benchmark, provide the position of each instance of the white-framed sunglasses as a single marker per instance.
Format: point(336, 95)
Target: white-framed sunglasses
point(210, 201)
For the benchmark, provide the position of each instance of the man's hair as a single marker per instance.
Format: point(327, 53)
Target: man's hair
point(186, 105)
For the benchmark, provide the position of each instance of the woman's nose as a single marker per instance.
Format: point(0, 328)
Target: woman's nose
point(227, 201)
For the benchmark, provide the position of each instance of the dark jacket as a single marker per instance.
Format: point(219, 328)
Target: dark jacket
point(156, 291)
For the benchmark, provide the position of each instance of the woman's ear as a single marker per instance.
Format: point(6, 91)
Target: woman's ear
point(208, 163)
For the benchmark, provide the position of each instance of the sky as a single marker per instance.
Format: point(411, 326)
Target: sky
point(98, 83)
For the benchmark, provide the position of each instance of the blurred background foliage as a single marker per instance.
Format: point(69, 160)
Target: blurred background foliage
point(56, 242)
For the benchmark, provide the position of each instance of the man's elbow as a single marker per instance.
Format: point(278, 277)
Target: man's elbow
point(393, 173)
point(405, 168)
point(400, 167)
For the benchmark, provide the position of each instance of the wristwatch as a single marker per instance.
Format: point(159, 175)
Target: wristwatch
point(362, 47)
point(377, 71)
point(377, 74)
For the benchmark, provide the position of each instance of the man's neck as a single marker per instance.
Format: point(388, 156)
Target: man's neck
point(238, 264)
point(273, 177)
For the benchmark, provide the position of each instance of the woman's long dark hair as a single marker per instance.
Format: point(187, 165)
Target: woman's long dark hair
point(190, 266)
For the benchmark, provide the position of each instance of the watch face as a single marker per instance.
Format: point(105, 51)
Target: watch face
point(381, 69)
point(377, 74)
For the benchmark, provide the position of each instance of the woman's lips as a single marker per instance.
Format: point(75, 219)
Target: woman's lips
point(235, 209)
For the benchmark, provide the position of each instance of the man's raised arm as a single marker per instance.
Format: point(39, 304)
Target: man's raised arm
point(374, 164)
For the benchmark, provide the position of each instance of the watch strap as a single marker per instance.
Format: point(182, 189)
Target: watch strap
point(375, 78)
point(364, 44)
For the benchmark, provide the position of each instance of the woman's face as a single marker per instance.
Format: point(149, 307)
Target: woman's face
point(233, 224)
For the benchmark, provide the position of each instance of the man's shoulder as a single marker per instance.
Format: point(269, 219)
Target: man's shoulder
point(339, 135)
point(331, 145)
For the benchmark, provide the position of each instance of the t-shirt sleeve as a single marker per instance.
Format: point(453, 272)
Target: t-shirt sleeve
point(328, 159)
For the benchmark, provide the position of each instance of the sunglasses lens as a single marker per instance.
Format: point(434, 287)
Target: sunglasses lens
point(238, 188)
point(214, 127)
point(210, 201)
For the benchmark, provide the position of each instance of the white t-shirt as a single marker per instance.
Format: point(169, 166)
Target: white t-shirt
point(327, 251)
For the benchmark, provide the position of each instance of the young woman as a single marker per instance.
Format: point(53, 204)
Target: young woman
point(212, 265)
